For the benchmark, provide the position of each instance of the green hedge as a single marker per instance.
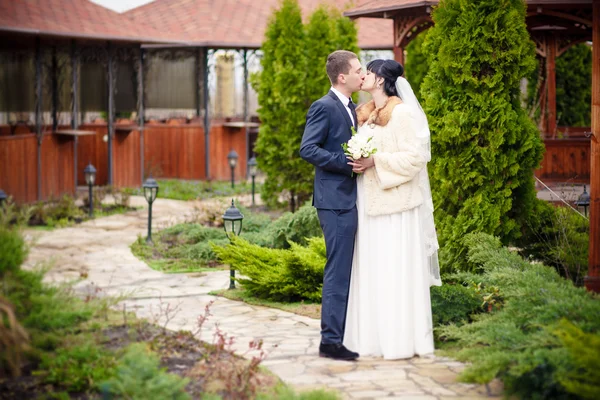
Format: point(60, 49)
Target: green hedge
point(516, 342)
point(278, 274)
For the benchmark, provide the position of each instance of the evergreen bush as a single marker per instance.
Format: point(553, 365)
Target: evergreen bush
point(557, 237)
point(574, 86)
point(293, 227)
point(516, 342)
point(139, 377)
point(276, 274)
point(484, 146)
point(452, 303)
point(13, 250)
point(583, 348)
point(416, 66)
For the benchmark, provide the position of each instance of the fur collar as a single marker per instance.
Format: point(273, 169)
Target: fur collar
point(378, 116)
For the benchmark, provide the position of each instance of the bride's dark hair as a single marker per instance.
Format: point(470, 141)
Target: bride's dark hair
point(389, 70)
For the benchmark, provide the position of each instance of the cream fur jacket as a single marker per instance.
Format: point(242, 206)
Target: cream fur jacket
point(392, 186)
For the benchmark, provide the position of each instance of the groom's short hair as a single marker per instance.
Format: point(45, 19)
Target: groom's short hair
point(338, 63)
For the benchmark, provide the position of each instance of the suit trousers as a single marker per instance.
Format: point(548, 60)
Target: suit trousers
point(339, 229)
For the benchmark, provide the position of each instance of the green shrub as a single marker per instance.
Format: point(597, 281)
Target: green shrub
point(558, 237)
point(276, 274)
point(77, 368)
point(485, 146)
point(453, 304)
point(515, 342)
point(583, 348)
point(287, 393)
point(254, 221)
point(13, 250)
point(139, 377)
point(294, 227)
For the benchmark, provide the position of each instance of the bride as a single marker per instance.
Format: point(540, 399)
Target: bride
point(395, 256)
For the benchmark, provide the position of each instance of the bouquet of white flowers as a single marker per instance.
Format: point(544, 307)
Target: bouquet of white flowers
point(359, 146)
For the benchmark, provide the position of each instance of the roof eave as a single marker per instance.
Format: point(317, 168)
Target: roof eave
point(72, 35)
point(381, 12)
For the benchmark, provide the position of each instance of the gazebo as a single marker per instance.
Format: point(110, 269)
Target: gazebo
point(554, 25)
point(61, 58)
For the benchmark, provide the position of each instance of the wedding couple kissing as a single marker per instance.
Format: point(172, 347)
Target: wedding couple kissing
point(375, 211)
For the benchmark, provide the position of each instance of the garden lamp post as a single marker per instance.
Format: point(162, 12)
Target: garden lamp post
point(232, 157)
point(232, 223)
point(3, 197)
point(583, 201)
point(90, 177)
point(252, 167)
point(150, 193)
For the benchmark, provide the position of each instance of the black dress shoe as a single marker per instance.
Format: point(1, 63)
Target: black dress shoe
point(337, 351)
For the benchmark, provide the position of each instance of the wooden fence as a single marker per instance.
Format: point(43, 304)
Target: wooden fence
point(170, 151)
point(18, 166)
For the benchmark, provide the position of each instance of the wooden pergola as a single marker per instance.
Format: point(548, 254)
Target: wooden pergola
point(554, 26)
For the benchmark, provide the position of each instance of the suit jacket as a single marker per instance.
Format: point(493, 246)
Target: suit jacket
point(328, 125)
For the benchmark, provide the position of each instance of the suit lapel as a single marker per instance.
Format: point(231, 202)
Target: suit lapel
point(342, 108)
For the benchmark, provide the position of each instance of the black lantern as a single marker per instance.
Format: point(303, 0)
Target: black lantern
point(232, 158)
point(583, 200)
point(3, 197)
point(90, 177)
point(232, 223)
point(252, 169)
point(150, 193)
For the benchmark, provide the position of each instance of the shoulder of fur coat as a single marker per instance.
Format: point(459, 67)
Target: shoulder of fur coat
point(381, 116)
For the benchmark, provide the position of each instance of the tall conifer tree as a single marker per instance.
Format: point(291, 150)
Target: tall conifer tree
point(484, 146)
point(281, 88)
point(293, 76)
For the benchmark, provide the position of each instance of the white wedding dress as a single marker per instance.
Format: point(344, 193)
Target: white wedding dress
point(389, 308)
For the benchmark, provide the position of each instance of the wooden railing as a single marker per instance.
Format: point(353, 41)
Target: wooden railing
point(566, 160)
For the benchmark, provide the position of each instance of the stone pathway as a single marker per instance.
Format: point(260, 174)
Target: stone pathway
point(97, 252)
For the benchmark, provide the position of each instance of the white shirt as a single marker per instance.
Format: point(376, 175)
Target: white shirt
point(344, 101)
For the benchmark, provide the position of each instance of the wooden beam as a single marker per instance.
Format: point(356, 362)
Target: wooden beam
point(38, 112)
point(110, 113)
point(75, 105)
point(140, 94)
point(206, 102)
point(551, 86)
point(592, 281)
point(399, 54)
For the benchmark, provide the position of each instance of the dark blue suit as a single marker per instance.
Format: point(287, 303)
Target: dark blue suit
point(328, 125)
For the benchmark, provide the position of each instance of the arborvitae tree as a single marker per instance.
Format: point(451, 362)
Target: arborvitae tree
point(281, 88)
point(326, 31)
point(484, 146)
point(293, 76)
point(574, 86)
point(416, 66)
point(321, 38)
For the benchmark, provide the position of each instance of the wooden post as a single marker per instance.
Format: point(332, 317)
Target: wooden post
point(399, 54)
point(38, 112)
point(592, 281)
point(206, 101)
point(74, 104)
point(551, 86)
point(140, 94)
point(110, 114)
point(246, 109)
point(54, 90)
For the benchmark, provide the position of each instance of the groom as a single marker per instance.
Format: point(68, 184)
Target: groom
point(328, 125)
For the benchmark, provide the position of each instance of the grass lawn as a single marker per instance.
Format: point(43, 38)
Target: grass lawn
point(307, 309)
point(191, 190)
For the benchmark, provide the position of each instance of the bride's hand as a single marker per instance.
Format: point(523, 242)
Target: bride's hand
point(362, 164)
